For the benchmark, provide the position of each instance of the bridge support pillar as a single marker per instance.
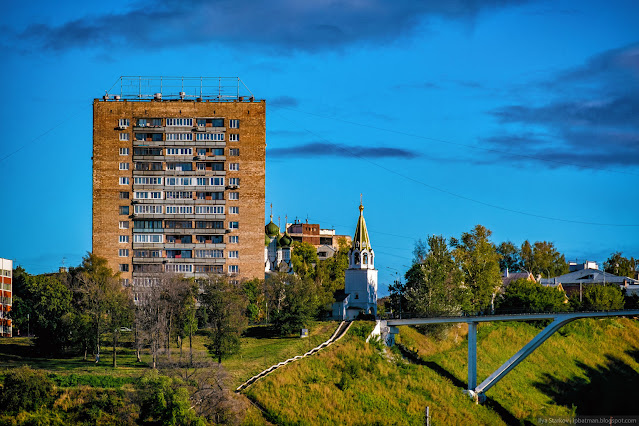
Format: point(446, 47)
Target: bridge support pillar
point(472, 356)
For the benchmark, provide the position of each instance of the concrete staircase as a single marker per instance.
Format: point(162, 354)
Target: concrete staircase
point(339, 333)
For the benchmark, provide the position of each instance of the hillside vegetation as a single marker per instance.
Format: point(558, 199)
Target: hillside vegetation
point(588, 367)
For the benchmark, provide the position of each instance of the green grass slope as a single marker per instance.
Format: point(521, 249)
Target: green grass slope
point(589, 367)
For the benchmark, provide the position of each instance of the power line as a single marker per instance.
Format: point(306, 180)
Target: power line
point(65, 120)
point(479, 148)
point(453, 194)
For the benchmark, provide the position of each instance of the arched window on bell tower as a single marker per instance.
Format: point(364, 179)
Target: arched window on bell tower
point(365, 258)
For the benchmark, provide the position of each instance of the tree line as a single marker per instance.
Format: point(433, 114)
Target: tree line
point(464, 276)
point(81, 309)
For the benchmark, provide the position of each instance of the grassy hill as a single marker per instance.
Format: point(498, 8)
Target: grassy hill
point(589, 367)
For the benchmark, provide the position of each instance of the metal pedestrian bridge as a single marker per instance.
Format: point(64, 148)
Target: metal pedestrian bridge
point(388, 328)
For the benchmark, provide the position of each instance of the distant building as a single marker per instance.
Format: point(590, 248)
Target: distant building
point(6, 273)
point(574, 266)
point(360, 282)
point(325, 240)
point(508, 277)
point(574, 281)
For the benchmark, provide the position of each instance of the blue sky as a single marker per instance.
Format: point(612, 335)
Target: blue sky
point(522, 116)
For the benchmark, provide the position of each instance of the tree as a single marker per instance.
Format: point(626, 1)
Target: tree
point(100, 296)
point(620, 266)
point(48, 304)
point(165, 401)
point(303, 259)
point(252, 290)
point(510, 258)
point(479, 262)
point(295, 301)
point(225, 304)
point(598, 297)
point(434, 282)
point(524, 295)
point(542, 259)
point(331, 271)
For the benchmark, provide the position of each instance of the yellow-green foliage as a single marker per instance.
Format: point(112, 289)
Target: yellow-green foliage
point(354, 383)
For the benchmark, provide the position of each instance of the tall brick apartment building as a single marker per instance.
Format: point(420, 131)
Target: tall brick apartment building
point(178, 179)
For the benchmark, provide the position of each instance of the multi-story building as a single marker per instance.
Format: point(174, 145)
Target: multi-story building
point(325, 240)
point(178, 179)
point(6, 274)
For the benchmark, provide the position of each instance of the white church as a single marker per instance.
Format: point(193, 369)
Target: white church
point(360, 286)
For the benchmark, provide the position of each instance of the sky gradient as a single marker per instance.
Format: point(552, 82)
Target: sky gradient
point(522, 116)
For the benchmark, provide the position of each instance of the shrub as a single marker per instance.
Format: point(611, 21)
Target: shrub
point(26, 390)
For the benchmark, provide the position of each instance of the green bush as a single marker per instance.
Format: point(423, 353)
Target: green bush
point(26, 390)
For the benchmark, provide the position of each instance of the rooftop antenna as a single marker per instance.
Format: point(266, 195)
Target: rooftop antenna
point(286, 223)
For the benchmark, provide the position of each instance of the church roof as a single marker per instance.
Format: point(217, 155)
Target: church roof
point(272, 229)
point(361, 240)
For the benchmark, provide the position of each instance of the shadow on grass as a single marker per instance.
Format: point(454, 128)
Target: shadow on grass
point(414, 358)
point(601, 390)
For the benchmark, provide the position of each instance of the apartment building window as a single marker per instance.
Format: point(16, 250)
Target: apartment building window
point(209, 137)
point(234, 124)
point(234, 225)
point(178, 267)
point(179, 122)
point(123, 252)
point(178, 224)
point(208, 269)
point(234, 152)
point(234, 195)
point(141, 195)
point(147, 180)
point(147, 209)
point(207, 254)
point(179, 136)
point(209, 224)
point(149, 225)
point(124, 166)
point(234, 137)
point(176, 195)
point(180, 167)
point(234, 210)
point(123, 238)
point(209, 239)
point(234, 254)
point(124, 282)
point(148, 238)
point(234, 239)
point(124, 267)
point(124, 180)
point(209, 209)
point(148, 137)
point(124, 136)
point(123, 224)
point(124, 151)
point(179, 181)
point(124, 210)
point(234, 181)
point(210, 122)
point(124, 195)
point(147, 151)
point(149, 122)
point(179, 151)
point(179, 209)
point(210, 195)
point(146, 166)
point(123, 122)
point(234, 269)
point(210, 151)
point(234, 167)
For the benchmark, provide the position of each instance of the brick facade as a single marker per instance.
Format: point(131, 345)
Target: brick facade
point(118, 147)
